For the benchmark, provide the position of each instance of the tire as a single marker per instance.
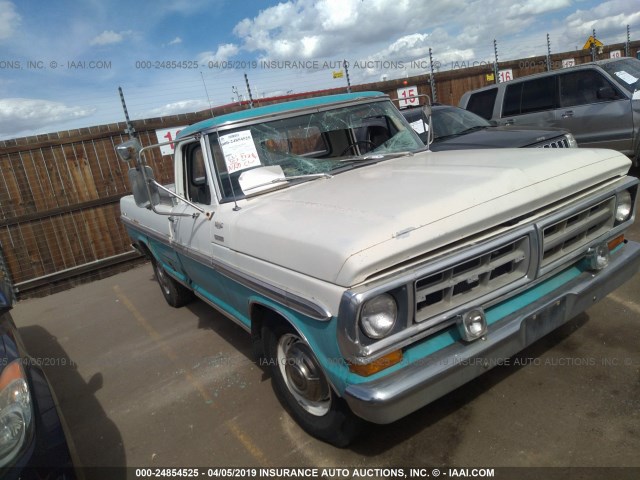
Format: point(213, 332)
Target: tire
point(302, 388)
point(175, 294)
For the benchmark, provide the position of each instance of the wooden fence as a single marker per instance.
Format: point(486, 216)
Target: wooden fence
point(59, 212)
point(59, 193)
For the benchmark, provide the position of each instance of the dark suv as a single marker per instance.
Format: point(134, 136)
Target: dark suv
point(598, 102)
point(457, 129)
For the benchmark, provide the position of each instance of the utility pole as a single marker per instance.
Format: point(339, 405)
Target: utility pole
point(346, 71)
point(548, 54)
point(130, 130)
point(627, 46)
point(246, 80)
point(593, 47)
point(495, 64)
point(434, 92)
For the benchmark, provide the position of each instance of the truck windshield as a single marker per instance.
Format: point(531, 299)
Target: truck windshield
point(321, 142)
point(626, 71)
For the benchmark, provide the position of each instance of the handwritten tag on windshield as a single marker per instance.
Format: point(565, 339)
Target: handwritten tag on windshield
point(239, 151)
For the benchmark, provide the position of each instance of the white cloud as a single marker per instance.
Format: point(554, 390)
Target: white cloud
point(536, 7)
point(328, 28)
point(109, 37)
point(609, 19)
point(223, 53)
point(24, 114)
point(9, 19)
point(407, 47)
point(175, 41)
point(183, 106)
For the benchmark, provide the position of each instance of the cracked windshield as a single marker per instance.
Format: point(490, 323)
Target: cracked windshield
point(309, 146)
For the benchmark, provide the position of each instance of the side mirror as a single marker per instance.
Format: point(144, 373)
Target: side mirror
point(426, 116)
point(143, 186)
point(129, 150)
point(606, 93)
point(426, 110)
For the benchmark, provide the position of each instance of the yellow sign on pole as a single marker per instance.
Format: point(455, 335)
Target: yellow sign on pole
point(592, 42)
point(338, 74)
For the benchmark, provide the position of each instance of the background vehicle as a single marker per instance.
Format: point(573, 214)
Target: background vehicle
point(33, 443)
point(455, 129)
point(597, 102)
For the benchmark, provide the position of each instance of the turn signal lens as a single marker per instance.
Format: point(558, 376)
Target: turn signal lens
point(377, 365)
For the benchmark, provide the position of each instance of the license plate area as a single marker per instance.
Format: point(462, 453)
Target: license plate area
point(541, 323)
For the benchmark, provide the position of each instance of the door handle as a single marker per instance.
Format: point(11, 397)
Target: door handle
point(567, 114)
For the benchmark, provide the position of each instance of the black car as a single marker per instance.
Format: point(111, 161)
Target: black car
point(457, 129)
point(33, 443)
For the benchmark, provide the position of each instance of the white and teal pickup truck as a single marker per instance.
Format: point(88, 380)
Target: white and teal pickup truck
point(373, 275)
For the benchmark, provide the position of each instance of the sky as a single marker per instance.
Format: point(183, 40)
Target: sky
point(62, 61)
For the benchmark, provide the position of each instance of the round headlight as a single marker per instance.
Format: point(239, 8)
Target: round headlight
point(623, 208)
point(378, 316)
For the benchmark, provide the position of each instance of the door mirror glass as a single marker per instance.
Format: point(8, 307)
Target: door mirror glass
point(143, 187)
point(129, 150)
point(606, 93)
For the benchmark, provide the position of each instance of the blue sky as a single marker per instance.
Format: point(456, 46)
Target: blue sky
point(61, 62)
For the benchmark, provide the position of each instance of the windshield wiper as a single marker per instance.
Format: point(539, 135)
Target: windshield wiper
point(463, 132)
point(288, 179)
point(376, 156)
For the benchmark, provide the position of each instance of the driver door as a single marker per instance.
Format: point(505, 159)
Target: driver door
point(192, 231)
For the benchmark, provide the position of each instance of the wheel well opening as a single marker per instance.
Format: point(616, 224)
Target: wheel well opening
point(144, 249)
point(262, 318)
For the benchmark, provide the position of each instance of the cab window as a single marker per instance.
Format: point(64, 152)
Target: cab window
point(197, 186)
point(585, 87)
point(529, 96)
point(481, 103)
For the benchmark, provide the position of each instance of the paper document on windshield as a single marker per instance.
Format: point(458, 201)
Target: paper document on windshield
point(626, 77)
point(259, 179)
point(239, 151)
point(419, 126)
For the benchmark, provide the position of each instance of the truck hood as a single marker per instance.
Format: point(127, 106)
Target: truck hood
point(497, 137)
point(346, 228)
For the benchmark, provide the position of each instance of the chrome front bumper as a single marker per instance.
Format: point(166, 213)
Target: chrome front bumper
point(396, 395)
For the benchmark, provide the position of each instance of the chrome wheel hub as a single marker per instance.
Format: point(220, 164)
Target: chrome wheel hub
point(303, 375)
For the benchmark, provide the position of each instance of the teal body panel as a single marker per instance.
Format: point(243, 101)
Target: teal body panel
point(271, 110)
point(236, 300)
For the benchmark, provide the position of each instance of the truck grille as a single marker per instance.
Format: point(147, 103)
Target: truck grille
point(574, 231)
point(473, 278)
point(561, 142)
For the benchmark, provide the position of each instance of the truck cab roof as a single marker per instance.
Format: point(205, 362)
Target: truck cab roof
point(275, 109)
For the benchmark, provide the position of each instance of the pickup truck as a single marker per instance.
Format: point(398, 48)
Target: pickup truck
point(373, 275)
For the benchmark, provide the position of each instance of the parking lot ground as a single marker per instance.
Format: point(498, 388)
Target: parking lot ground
point(142, 384)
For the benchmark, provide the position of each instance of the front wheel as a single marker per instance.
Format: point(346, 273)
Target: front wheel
point(303, 389)
point(175, 294)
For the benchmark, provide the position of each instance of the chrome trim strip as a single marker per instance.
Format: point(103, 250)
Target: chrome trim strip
point(277, 294)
